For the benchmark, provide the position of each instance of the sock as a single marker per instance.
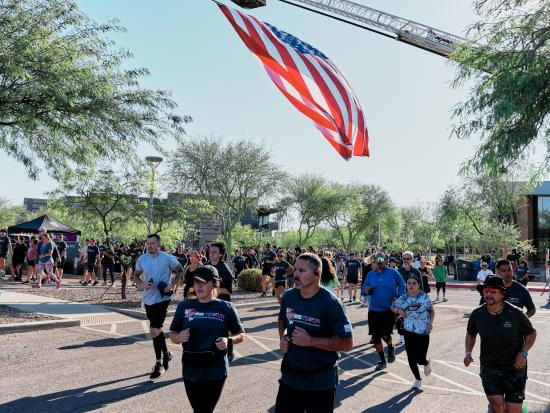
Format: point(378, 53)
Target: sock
point(381, 355)
point(157, 346)
point(162, 340)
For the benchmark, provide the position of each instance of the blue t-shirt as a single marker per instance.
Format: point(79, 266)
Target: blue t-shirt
point(44, 248)
point(386, 286)
point(521, 271)
point(4, 245)
point(268, 256)
point(322, 315)
point(156, 269)
point(417, 309)
point(206, 322)
point(353, 267)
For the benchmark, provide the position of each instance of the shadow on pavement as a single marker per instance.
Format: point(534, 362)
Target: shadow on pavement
point(266, 308)
point(256, 359)
point(106, 342)
point(262, 327)
point(84, 399)
point(256, 317)
point(396, 404)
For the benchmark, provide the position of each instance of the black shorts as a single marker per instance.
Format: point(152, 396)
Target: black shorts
point(440, 285)
point(352, 279)
point(280, 283)
point(156, 313)
point(90, 267)
point(60, 263)
point(381, 324)
point(507, 382)
point(30, 263)
point(266, 270)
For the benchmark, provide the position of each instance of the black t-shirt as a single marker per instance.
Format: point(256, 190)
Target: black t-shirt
point(406, 274)
point(280, 270)
point(110, 257)
point(92, 253)
point(226, 275)
point(206, 322)
point(251, 261)
point(61, 247)
point(502, 335)
point(4, 245)
point(239, 262)
point(181, 257)
point(19, 252)
point(518, 296)
point(268, 256)
point(322, 315)
point(353, 266)
point(365, 268)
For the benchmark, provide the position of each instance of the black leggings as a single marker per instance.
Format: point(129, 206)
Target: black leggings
point(108, 265)
point(204, 395)
point(290, 400)
point(416, 346)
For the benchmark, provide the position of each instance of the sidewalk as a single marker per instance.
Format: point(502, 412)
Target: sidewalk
point(534, 287)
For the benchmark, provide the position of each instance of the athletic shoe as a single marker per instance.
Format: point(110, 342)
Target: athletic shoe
point(401, 340)
point(391, 354)
point(428, 369)
point(371, 341)
point(263, 295)
point(445, 300)
point(417, 385)
point(95, 282)
point(35, 286)
point(167, 359)
point(82, 283)
point(58, 285)
point(353, 298)
point(381, 365)
point(157, 371)
point(104, 283)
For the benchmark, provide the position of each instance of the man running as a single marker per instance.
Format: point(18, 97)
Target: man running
point(157, 267)
point(384, 285)
point(353, 272)
point(92, 255)
point(313, 329)
point(62, 251)
point(507, 335)
point(238, 263)
point(268, 259)
point(5, 250)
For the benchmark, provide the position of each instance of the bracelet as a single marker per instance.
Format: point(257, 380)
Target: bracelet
point(468, 353)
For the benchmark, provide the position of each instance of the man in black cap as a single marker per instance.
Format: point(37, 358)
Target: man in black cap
point(506, 337)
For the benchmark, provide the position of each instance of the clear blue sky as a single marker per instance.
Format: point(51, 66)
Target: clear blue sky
point(192, 50)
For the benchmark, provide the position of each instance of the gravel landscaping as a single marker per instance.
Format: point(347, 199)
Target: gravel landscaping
point(12, 316)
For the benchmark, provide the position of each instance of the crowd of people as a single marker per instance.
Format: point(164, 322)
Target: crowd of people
point(313, 324)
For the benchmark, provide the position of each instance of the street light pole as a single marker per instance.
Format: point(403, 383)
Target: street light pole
point(153, 162)
point(379, 232)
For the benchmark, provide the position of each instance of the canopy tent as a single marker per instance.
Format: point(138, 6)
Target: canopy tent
point(45, 221)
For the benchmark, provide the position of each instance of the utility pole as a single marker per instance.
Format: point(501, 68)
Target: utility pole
point(153, 162)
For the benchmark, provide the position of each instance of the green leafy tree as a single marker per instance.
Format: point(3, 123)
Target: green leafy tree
point(231, 176)
point(65, 97)
point(509, 67)
point(9, 214)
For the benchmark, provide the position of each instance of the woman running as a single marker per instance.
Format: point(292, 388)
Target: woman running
point(18, 258)
point(427, 274)
point(195, 261)
point(205, 327)
point(328, 276)
point(417, 311)
point(45, 262)
point(340, 274)
point(32, 254)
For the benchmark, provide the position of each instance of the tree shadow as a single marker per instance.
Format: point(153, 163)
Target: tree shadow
point(107, 342)
point(84, 399)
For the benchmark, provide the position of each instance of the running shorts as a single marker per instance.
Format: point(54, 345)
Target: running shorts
point(509, 382)
point(156, 313)
point(380, 324)
point(352, 279)
point(440, 285)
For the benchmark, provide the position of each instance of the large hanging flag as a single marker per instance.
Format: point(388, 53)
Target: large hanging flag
point(309, 80)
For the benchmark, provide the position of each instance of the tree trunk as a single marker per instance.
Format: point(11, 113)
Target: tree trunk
point(123, 279)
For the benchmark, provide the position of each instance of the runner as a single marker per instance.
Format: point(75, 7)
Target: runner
point(5, 250)
point(507, 335)
point(484, 272)
point(157, 268)
point(32, 255)
point(205, 328)
point(83, 257)
point(45, 261)
point(317, 329)
point(522, 273)
point(181, 255)
point(268, 258)
point(92, 256)
point(280, 269)
point(108, 263)
point(328, 277)
point(383, 285)
point(418, 314)
point(18, 258)
point(340, 274)
point(251, 258)
point(62, 250)
point(440, 275)
point(195, 261)
point(426, 273)
point(353, 272)
point(238, 263)
point(216, 253)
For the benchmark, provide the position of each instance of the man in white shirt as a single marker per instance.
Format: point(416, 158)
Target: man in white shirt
point(484, 272)
point(154, 275)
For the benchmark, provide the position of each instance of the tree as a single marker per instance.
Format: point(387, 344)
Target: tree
point(509, 66)
point(64, 97)
point(9, 214)
point(314, 199)
point(105, 194)
point(231, 176)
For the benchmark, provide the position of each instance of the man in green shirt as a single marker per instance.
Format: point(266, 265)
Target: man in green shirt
point(440, 275)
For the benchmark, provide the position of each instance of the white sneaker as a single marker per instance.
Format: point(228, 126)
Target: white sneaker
point(401, 340)
point(417, 385)
point(428, 369)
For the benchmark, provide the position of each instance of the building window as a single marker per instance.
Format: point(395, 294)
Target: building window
point(542, 232)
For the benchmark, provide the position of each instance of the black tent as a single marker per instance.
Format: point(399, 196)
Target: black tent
point(45, 221)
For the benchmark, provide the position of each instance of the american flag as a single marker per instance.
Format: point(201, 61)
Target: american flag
point(309, 80)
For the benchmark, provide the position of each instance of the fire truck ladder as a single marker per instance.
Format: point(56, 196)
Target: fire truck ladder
point(406, 31)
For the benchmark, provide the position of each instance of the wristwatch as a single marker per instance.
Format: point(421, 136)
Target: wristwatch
point(524, 353)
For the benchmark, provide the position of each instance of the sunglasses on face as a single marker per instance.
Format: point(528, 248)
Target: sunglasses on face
point(406, 259)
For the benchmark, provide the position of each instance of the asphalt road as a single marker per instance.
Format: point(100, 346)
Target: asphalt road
point(105, 368)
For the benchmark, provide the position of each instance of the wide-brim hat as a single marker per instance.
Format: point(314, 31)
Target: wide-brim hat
point(493, 282)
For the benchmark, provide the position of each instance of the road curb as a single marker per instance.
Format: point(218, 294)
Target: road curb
point(472, 286)
point(37, 326)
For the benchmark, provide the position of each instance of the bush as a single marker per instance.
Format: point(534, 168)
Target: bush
point(251, 280)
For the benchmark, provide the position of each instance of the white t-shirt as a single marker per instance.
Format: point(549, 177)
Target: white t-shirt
point(156, 269)
point(482, 274)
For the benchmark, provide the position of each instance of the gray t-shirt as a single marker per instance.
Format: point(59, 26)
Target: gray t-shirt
point(156, 269)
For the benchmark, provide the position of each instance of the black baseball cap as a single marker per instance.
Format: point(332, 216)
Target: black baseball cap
point(206, 273)
point(493, 281)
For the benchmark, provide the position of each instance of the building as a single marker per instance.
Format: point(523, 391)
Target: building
point(534, 218)
point(34, 204)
